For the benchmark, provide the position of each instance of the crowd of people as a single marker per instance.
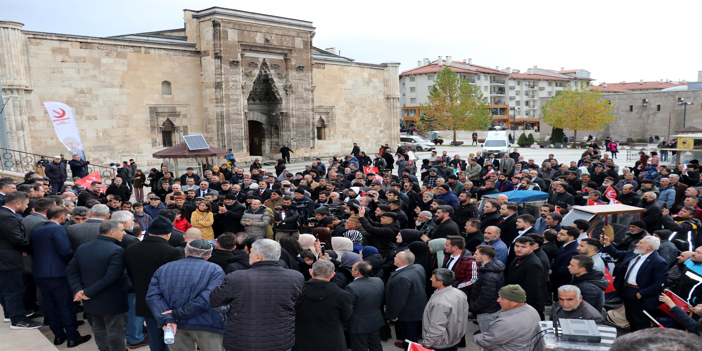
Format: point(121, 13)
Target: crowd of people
point(335, 256)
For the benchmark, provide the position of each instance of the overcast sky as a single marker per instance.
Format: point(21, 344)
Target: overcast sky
point(615, 40)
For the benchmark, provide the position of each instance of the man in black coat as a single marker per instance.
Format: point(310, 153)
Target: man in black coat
point(96, 275)
point(491, 214)
point(592, 283)
point(13, 242)
point(367, 293)
point(356, 150)
point(381, 235)
point(56, 172)
point(387, 156)
point(527, 271)
point(232, 217)
point(541, 254)
point(325, 309)
point(508, 222)
point(491, 278)
point(78, 167)
point(405, 296)
point(654, 214)
point(142, 260)
point(177, 237)
point(119, 188)
point(569, 247)
point(445, 226)
point(464, 211)
point(524, 225)
point(266, 297)
point(89, 230)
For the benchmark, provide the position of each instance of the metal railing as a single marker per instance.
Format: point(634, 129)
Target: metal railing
point(497, 81)
point(542, 88)
point(24, 162)
point(512, 87)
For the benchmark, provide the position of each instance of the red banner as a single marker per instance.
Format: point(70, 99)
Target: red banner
point(92, 177)
point(417, 347)
point(677, 300)
point(611, 194)
point(610, 280)
point(367, 170)
point(593, 203)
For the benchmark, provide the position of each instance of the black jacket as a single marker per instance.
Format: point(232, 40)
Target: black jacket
point(289, 222)
point(97, 268)
point(473, 240)
point(508, 228)
point(85, 232)
point(405, 294)
point(79, 168)
point(483, 296)
point(565, 197)
point(320, 320)
point(489, 219)
point(232, 218)
point(367, 294)
point(592, 286)
point(462, 213)
point(528, 273)
point(13, 241)
point(56, 172)
point(221, 258)
point(122, 190)
point(653, 215)
point(444, 229)
point(263, 303)
point(142, 260)
point(630, 199)
point(382, 237)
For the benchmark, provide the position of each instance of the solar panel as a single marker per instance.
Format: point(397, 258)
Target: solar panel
point(196, 142)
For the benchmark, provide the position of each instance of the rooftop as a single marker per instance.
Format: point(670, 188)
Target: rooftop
point(634, 86)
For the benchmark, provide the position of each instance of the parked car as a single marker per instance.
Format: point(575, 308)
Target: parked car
point(418, 143)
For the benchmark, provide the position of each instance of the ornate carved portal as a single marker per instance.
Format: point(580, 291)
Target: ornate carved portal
point(264, 102)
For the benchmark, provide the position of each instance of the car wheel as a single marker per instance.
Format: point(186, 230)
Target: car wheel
point(419, 148)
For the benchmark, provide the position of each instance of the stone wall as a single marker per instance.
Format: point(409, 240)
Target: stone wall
point(639, 122)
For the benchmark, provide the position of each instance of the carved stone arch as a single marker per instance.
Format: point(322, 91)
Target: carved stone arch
point(264, 90)
point(168, 135)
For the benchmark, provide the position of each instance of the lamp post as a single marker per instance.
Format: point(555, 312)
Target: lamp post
point(681, 101)
point(514, 121)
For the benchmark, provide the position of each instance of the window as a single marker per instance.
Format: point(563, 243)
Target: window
point(631, 108)
point(167, 138)
point(411, 78)
point(430, 77)
point(165, 88)
point(429, 88)
point(413, 101)
point(518, 103)
point(658, 107)
point(486, 88)
point(321, 129)
point(519, 82)
point(477, 77)
point(549, 93)
point(549, 83)
point(411, 89)
point(517, 93)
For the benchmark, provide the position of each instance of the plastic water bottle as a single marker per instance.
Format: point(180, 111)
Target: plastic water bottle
point(168, 336)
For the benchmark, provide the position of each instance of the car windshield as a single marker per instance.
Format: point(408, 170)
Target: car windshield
point(420, 141)
point(495, 143)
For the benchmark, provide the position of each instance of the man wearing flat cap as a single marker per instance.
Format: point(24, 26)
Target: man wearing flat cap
point(187, 311)
point(516, 326)
point(142, 260)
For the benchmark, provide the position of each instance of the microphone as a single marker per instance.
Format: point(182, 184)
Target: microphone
point(554, 319)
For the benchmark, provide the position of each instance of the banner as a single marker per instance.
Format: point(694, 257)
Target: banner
point(65, 126)
point(416, 347)
point(92, 177)
point(367, 170)
point(593, 203)
point(611, 194)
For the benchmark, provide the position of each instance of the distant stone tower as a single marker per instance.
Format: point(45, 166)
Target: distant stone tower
point(16, 80)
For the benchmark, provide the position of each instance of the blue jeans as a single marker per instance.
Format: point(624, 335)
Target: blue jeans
point(135, 325)
point(155, 335)
point(11, 295)
point(59, 307)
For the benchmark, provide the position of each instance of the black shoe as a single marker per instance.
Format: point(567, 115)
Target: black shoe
point(26, 324)
point(81, 340)
point(59, 341)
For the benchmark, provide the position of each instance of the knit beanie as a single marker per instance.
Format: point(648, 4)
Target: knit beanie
point(161, 226)
point(513, 292)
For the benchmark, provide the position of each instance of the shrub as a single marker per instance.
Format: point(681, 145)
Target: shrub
point(522, 141)
point(530, 139)
point(557, 135)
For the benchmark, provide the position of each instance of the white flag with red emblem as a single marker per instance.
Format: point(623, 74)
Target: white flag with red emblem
point(413, 346)
point(611, 194)
point(65, 126)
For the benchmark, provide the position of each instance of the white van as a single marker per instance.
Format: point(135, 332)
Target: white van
point(419, 143)
point(497, 143)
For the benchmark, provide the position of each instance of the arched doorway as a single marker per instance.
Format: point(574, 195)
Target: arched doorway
point(255, 138)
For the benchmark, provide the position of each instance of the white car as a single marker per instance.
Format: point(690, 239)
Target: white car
point(419, 143)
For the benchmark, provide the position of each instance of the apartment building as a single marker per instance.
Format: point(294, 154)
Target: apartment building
point(513, 96)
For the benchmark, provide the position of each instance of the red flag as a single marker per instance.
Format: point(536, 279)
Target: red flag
point(92, 177)
point(416, 347)
point(677, 300)
point(593, 203)
point(611, 194)
point(367, 170)
point(610, 282)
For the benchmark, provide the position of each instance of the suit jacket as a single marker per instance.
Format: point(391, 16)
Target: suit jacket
point(85, 232)
point(651, 277)
point(97, 268)
point(13, 241)
point(559, 268)
point(511, 255)
point(367, 294)
point(51, 250)
point(405, 294)
point(509, 229)
point(33, 221)
point(529, 274)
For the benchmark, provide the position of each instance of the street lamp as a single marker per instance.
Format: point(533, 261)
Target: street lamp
point(681, 101)
point(514, 121)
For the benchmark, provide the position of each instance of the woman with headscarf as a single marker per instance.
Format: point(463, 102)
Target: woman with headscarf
point(290, 252)
point(437, 248)
point(341, 246)
point(403, 239)
point(323, 234)
point(372, 256)
point(356, 238)
point(307, 241)
point(411, 167)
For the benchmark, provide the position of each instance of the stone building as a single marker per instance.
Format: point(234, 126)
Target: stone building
point(642, 114)
point(246, 81)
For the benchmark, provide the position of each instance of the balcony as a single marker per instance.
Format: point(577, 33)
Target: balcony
point(530, 97)
point(531, 87)
point(512, 97)
point(497, 82)
point(512, 87)
point(497, 92)
point(542, 88)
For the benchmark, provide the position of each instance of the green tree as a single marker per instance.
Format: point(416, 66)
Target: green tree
point(454, 104)
point(522, 141)
point(530, 139)
point(557, 135)
point(578, 109)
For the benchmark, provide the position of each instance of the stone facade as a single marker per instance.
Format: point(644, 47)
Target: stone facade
point(246, 81)
point(660, 116)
